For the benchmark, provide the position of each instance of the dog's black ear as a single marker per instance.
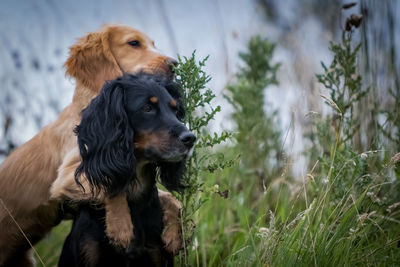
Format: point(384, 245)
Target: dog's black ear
point(171, 175)
point(105, 140)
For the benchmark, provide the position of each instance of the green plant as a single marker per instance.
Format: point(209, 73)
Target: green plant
point(199, 112)
point(334, 134)
point(352, 195)
point(257, 133)
point(345, 85)
point(227, 229)
point(390, 128)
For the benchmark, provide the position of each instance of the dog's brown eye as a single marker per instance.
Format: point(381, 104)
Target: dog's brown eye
point(134, 43)
point(147, 108)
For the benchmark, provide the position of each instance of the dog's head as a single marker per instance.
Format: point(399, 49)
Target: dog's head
point(135, 117)
point(110, 52)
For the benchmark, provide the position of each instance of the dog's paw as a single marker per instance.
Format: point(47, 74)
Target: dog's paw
point(169, 202)
point(172, 238)
point(119, 226)
point(120, 231)
point(171, 235)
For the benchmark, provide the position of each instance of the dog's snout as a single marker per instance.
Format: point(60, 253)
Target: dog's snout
point(187, 139)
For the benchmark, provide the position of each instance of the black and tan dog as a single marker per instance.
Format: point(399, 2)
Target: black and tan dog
point(129, 133)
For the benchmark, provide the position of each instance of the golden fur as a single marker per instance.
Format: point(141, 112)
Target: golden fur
point(27, 173)
point(118, 220)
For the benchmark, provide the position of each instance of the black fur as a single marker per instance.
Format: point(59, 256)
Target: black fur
point(105, 142)
point(170, 173)
point(88, 245)
point(105, 134)
point(111, 127)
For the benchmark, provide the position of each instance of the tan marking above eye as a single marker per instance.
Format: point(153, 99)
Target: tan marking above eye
point(173, 103)
point(154, 99)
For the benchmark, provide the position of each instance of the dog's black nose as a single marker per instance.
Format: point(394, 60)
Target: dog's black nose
point(187, 138)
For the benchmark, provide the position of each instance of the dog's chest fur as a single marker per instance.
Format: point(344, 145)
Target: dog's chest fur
point(144, 183)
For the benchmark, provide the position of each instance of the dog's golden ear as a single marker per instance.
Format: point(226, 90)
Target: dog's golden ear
point(91, 61)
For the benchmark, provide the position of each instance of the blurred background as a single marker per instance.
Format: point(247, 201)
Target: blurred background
point(34, 41)
point(35, 36)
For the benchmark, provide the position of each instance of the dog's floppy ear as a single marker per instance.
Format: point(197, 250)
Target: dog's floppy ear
point(105, 140)
point(91, 60)
point(171, 175)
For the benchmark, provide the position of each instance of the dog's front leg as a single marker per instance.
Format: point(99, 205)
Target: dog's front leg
point(171, 236)
point(119, 227)
point(65, 186)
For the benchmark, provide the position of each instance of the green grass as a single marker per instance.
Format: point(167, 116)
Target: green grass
point(293, 231)
point(50, 248)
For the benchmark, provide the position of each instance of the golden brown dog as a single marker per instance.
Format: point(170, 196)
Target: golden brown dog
point(28, 173)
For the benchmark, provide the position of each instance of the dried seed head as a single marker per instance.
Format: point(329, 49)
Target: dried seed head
point(224, 194)
point(263, 230)
point(355, 20)
point(332, 104)
point(395, 159)
point(311, 177)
